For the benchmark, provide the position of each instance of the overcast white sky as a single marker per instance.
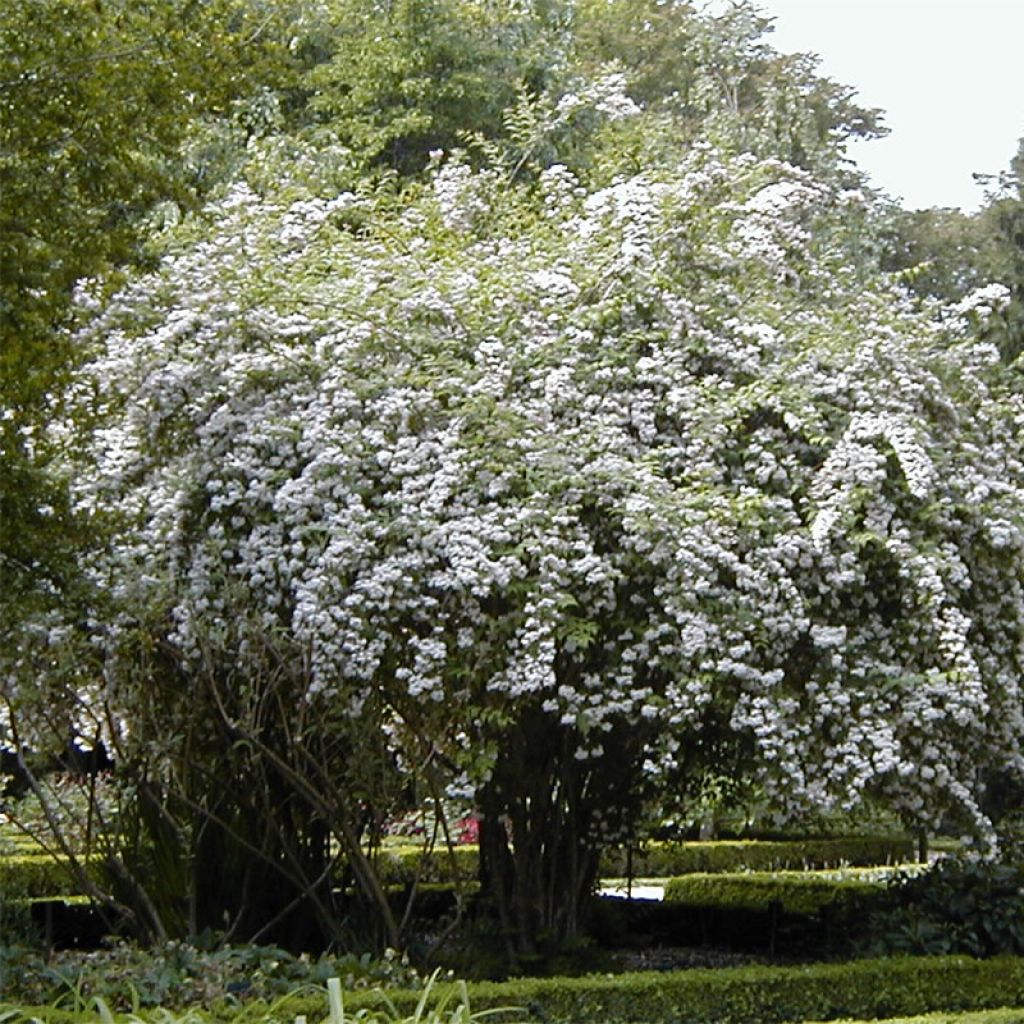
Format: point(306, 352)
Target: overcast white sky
point(948, 73)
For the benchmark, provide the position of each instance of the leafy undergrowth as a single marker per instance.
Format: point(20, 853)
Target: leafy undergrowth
point(452, 1007)
point(179, 975)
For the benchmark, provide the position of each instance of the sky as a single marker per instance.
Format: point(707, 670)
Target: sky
point(948, 73)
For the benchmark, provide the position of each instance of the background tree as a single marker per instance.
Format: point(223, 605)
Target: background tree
point(946, 254)
point(405, 78)
point(1004, 217)
point(720, 76)
point(96, 101)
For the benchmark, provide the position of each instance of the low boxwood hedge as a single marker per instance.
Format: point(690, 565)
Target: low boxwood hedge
point(743, 995)
point(792, 892)
point(399, 864)
point(37, 875)
point(663, 859)
point(1004, 1015)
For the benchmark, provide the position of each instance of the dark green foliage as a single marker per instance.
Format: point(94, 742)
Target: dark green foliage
point(945, 254)
point(96, 101)
point(940, 253)
point(957, 907)
point(404, 78)
point(1005, 217)
point(179, 974)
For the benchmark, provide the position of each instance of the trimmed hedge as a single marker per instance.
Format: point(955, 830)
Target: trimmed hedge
point(743, 995)
point(37, 874)
point(17, 842)
point(660, 860)
point(1004, 1015)
point(400, 864)
point(34, 876)
point(791, 892)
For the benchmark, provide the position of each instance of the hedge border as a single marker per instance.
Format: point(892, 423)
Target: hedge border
point(24, 874)
point(37, 876)
point(665, 859)
point(1003, 1015)
point(858, 992)
point(791, 892)
point(745, 995)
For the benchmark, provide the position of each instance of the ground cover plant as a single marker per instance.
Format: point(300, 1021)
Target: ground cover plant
point(451, 1007)
point(181, 975)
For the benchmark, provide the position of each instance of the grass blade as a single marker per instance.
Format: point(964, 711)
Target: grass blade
point(103, 1010)
point(335, 1001)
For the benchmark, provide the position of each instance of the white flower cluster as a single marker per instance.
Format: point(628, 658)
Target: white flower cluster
point(606, 95)
point(616, 468)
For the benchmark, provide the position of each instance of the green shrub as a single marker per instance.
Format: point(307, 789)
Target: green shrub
point(792, 892)
point(658, 859)
point(767, 995)
point(955, 907)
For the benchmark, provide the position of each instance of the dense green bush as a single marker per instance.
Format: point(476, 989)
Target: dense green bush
point(956, 907)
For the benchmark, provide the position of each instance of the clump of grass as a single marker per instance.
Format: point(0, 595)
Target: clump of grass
point(449, 1010)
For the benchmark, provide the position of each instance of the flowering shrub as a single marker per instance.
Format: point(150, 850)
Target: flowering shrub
point(562, 491)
